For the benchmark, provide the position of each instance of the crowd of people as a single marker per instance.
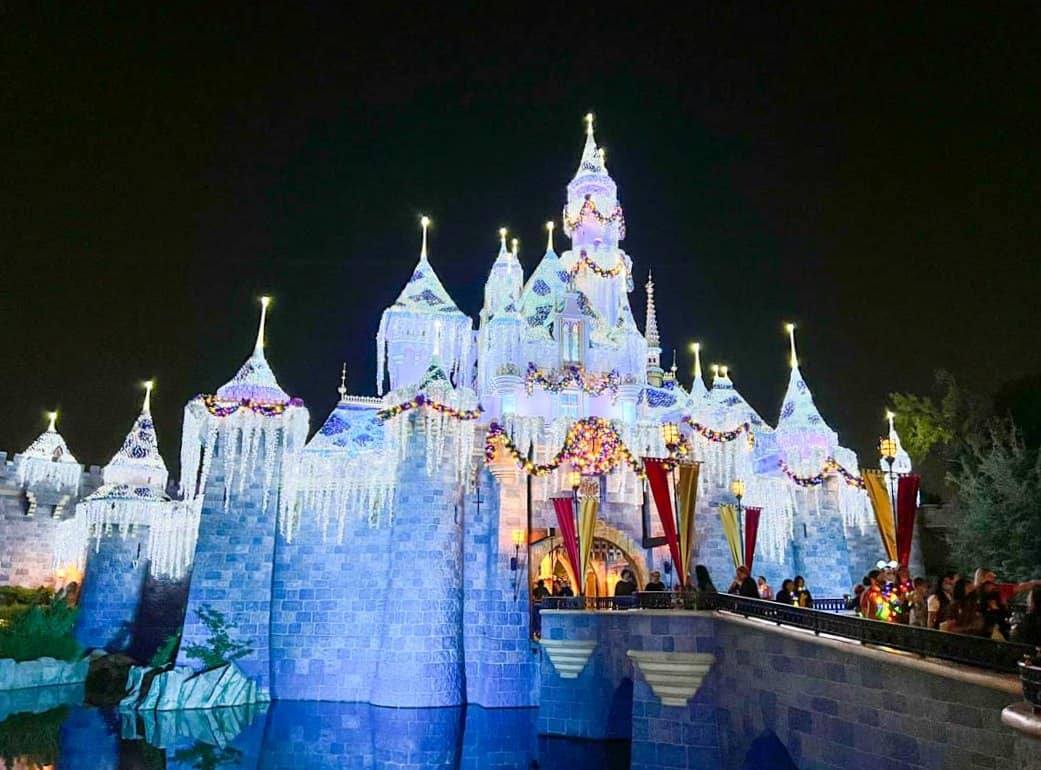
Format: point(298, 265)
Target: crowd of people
point(956, 604)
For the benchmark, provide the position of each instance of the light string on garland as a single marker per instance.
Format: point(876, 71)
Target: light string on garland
point(592, 446)
point(220, 407)
point(721, 436)
point(587, 261)
point(616, 216)
point(422, 401)
point(830, 466)
point(571, 377)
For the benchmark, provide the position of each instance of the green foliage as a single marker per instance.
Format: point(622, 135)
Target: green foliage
point(219, 648)
point(32, 739)
point(12, 595)
point(165, 654)
point(41, 632)
point(999, 489)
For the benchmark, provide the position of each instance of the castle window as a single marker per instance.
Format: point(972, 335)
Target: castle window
point(569, 404)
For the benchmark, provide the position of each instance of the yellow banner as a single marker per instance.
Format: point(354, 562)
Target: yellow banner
point(882, 505)
point(728, 515)
point(686, 500)
point(587, 525)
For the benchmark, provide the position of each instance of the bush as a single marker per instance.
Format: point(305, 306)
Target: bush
point(41, 632)
point(219, 648)
point(165, 654)
point(12, 595)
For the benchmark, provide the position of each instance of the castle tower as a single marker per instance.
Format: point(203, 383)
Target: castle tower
point(239, 454)
point(499, 345)
point(654, 370)
point(47, 470)
point(131, 528)
point(405, 340)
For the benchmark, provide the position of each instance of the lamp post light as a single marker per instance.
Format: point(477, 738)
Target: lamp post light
point(737, 489)
point(887, 447)
point(518, 536)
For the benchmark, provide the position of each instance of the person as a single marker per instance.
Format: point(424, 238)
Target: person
point(765, 592)
point(626, 585)
point(939, 602)
point(802, 596)
point(540, 592)
point(994, 611)
point(655, 584)
point(1007, 590)
point(704, 581)
point(786, 594)
point(965, 616)
point(565, 588)
point(1028, 630)
point(871, 596)
point(853, 602)
point(919, 615)
point(743, 585)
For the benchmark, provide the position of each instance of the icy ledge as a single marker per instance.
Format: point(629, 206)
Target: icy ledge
point(42, 672)
point(183, 688)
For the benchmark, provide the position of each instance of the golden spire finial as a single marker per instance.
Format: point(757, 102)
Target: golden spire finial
point(549, 235)
point(502, 237)
point(264, 302)
point(52, 420)
point(724, 371)
point(891, 416)
point(715, 370)
point(514, 243)
point(424, 222)
point(589, 124)
point(146, 407)
point(790, 328)
point(696, 349)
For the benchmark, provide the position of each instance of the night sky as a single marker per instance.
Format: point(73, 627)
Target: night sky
point(873, 178)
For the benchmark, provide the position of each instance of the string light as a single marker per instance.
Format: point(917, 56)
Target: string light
point(572, 377)
point(422, 401)
point(592, 446)
point(831, 465)
point(721, 436)
point(587, 261)
point(589, 208)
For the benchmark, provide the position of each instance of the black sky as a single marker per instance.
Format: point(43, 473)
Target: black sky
point(872, 177)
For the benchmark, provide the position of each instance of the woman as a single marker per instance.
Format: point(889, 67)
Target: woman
point(705, 584)
point(965, 616)
point(765, 592)
point(994, 611)
point(802, 596)
point(1028, 630)
point(939, 602)
point(785, 595)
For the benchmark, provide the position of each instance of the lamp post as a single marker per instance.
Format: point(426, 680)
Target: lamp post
point(737, 489)
point(518, 540)
point(887, 447)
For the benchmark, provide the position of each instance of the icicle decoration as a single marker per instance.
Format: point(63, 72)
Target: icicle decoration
point(70, 544)
point(776, 527)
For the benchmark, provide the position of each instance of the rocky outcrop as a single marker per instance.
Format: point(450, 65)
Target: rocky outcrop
point(42, 672)
point(183, 689)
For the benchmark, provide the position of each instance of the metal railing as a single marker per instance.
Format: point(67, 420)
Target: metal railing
point(959, 648)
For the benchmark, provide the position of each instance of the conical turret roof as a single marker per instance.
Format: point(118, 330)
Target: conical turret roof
point(254, 380)
point(50, 445)
point(543, 292)
point(138, 461)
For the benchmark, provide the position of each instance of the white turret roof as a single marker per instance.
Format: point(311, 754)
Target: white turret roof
point(49, 445)
point(254, 380)
point(543, 293)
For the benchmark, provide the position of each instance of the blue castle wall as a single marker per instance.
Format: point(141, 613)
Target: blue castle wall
point(113, 584)
point(233, 568)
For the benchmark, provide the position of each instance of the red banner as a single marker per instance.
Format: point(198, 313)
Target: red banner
point(565, 508)
point(906, 508)
point(658, 478)
point(751, 534)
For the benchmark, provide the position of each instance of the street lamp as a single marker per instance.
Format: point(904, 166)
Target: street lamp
point(887, 447)
point(737, 489)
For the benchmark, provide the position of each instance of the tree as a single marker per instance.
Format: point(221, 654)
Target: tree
point(999, 494)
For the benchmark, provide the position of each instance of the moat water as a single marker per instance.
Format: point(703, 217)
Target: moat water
point(286, 734)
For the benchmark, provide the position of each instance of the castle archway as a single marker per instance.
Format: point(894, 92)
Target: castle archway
point(612, 551)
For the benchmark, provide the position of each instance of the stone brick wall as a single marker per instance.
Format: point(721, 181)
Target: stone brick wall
point(832, 705)
point(112, 588)
point(233, 568)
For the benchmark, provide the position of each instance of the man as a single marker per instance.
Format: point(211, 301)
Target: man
point(655, 583)
point(626, 585)
point(918, 600)
point(540, 592)
point(743, 584)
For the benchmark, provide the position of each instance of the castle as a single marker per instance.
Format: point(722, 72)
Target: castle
point(388, 557)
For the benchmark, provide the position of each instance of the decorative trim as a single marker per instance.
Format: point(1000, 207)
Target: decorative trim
point(675, 677)
point(568, 656)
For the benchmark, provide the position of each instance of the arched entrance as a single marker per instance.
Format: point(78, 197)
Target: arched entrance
point(612, 551)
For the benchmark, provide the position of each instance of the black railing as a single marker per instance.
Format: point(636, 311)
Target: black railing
point(959, 648)
point(831, 605)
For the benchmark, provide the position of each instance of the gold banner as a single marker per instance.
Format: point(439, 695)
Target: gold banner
point(687, 498)
point(728, 515)
point(882, 505)
point(587, 525)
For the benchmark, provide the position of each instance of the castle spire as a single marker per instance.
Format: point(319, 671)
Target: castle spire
point(655, 376)
point(549, 236)
point(342, 390)
point(264, 302)
point(424, 222)
point(502, 240)
point(514, 243)
point(791, 339)
point(146, 407)
point(52, 422)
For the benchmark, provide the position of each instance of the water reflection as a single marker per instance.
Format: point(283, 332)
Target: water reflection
point(291, 734)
